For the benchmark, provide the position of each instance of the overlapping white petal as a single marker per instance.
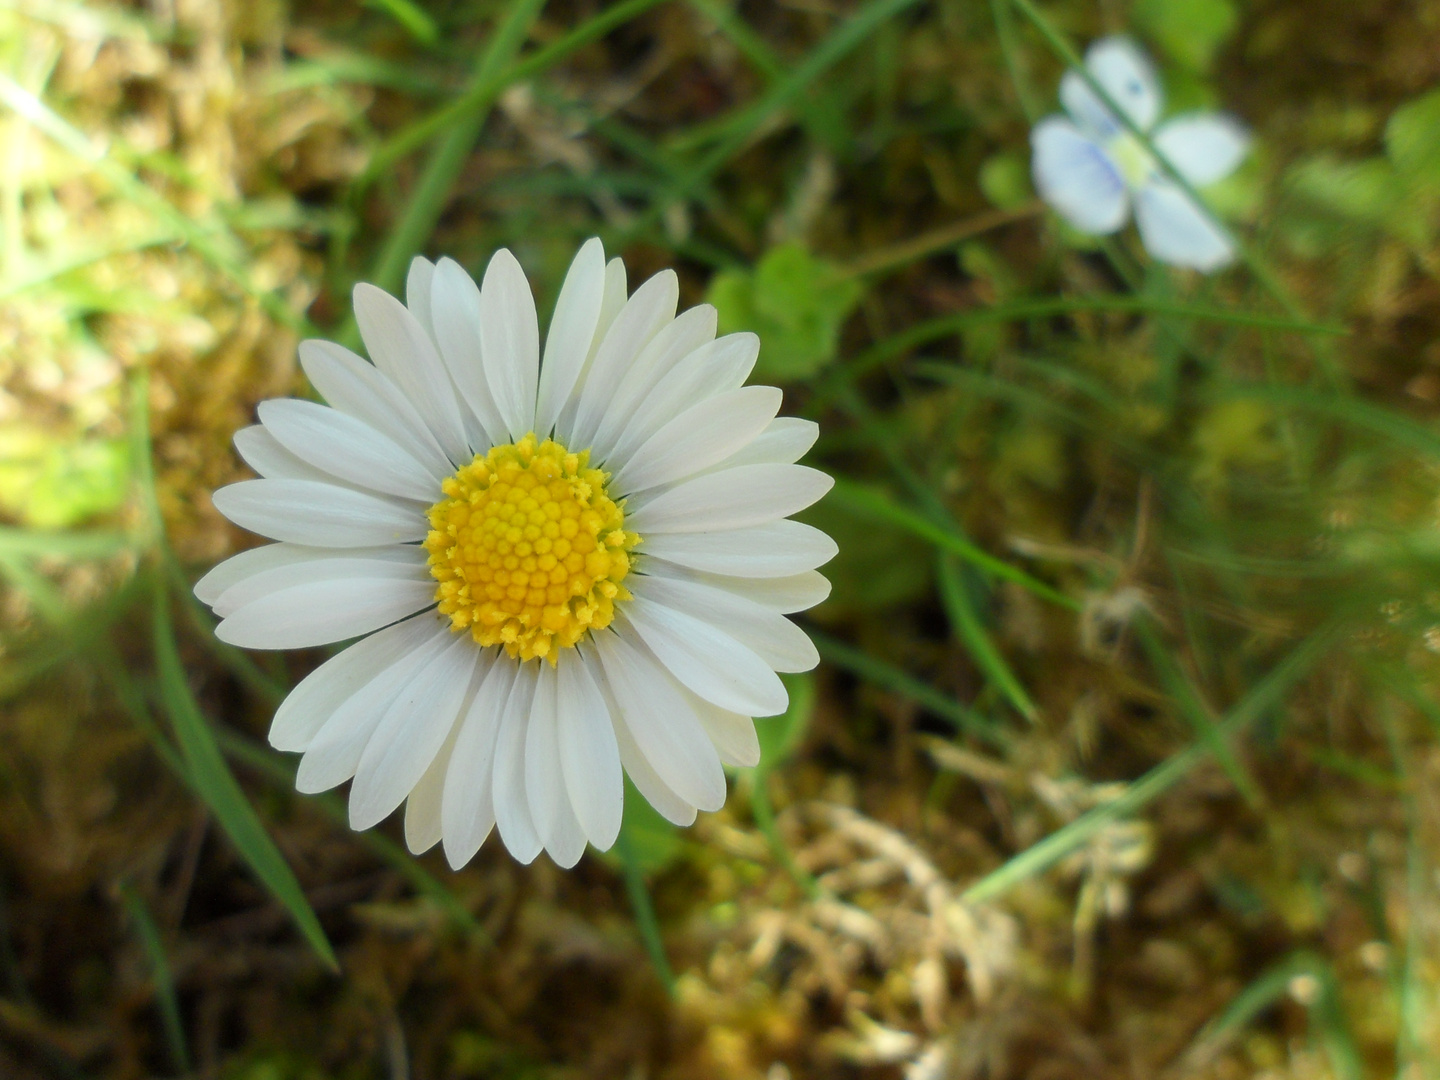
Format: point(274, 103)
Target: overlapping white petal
point(1178, 232)
point(1127, 76)
point(471, 739)
point(1203, 147)
point(1075, 176)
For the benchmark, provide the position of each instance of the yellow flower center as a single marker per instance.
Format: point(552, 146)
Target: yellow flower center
point(528, 549)
point(1136, 164)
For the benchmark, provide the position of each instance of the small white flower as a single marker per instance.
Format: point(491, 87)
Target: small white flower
point(563, 568)
point(1090, 168)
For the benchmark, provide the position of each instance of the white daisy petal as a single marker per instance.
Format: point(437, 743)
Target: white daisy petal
point(664, 727)
point(411, 733)
point(617, 292)
point(544, 782)
point(311, 704)
point(707, 660)
point(1178, 232)
point(467, 807)
point(732, 499)
point(775, 639)
point(775, 549)
point(510, 341)
point(423, 824)
point(334, 751)
point(254, 561)
point(733, 735)
point(701, 436)
point(647, 781)
point(572, 333)
point(512, 812)
point(361, 390)
point(348, 448)
point(319, 515)
point(611, 305)
point(417, 291)
point(403, 350)
point(798, 592)
point(723, 364)
point(1203, 147)
point(589, 754)
point(785, 440)
point(688, 332)
point(1077, 178)
point(455, 314)
point(400, 562)
point(1126, 74)
point(568, 842)
point(545, 785)
point(322, 612)
point(644, 315)
point(262, 452)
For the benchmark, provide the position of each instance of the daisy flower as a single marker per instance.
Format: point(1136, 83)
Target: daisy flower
point(559, 569)
point(1091, 169)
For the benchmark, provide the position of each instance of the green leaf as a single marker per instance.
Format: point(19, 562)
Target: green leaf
point(1370, 192)
point(654, 842)
point(795, 302)
point(781, 735)
point(1412, 138)
point(1005, 180)
point(416, 22)
point(213, 781)
point(1190, 31)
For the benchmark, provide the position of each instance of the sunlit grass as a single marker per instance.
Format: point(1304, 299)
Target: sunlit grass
point(1154, 558)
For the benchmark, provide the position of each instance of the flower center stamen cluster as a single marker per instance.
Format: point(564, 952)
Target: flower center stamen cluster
point(528, 549)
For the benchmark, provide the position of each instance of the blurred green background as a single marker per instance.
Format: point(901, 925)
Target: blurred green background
point(1124, 757)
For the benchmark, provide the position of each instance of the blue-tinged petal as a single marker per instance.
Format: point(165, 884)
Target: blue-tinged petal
point(1123, 69)
point(1077, 177)
point(1178, 232)
point(1203, 147)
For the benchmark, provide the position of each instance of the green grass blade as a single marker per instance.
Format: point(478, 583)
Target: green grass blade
point(779, 737)
point(736, 130)
point(823, 114)
point(889, 677)
point(866, 502)
point(1187, 699)
point(1386, 422)
point(154, 948)
point(646, 920)
point(215, 784)
point(1045, 854)
point(101, 544)
point(479, 95)
point(966, 623)
point(1269, 989)
point(413, 18)
point(1020, 310)
point(281, 774)
point(432, 193)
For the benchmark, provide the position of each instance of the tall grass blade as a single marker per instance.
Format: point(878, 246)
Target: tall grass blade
point(154, 948)
point(214, 783)
point(1041, 856)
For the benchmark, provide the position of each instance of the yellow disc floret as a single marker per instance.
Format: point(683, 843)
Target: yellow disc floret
point(528, 548)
